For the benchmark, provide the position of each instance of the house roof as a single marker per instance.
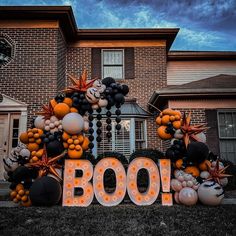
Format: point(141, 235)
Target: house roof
point(68, 24)
point(201, 55)
point(213, 87)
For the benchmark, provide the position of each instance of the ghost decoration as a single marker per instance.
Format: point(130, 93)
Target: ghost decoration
point(99, 86)
point(92, 95)
point(210, 193)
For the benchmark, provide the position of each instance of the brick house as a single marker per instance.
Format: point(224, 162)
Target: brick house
point(41, 45)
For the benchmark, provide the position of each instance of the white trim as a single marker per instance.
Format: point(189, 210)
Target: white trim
point(132, 135)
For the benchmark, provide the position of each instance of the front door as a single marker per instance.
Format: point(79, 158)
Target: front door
point(4, 139)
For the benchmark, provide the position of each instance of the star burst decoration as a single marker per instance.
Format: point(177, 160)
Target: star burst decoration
point(190, 131)
point(47, 165)
point(216, 174)
point(47, 111)
point(80, 84)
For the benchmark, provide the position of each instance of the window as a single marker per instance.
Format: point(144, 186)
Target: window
point(6, 50)
point(113, 63)
point(132, 136)
point(227, 134)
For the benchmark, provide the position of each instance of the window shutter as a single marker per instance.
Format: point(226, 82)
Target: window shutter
point(96, 63)
point(212, 133)
point(129, 63)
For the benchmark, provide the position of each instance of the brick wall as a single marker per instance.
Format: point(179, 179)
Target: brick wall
point(78, 59)
point(31, 77)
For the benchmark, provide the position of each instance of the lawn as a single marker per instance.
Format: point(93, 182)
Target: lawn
point(124, 219)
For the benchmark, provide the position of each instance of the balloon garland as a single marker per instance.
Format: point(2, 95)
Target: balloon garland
point(63, 129)
point(195, 175)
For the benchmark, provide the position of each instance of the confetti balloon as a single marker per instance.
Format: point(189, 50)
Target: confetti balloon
point(188, 196)
point(73, 123)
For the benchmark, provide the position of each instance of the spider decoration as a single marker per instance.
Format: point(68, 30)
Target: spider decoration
point(80, 84)
point(216, 174)
point(47, 165)
point(47, 111)
point(190, 131)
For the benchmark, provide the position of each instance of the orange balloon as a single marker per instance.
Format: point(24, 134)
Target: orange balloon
point(24, 138)
point(193, 170)
point(177, 124)
point(33, 147)
point(161, 131)
point(74, 153)
point(61, 109)
point(85, 144)
point(204, 165)
point(68, 101)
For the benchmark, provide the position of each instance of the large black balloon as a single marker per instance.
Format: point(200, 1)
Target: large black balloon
point(22, 173)
point(119, 97)
point(45, 191)
point(125, 89)
point(197, 152)
point(108, 80)
point(54, 148)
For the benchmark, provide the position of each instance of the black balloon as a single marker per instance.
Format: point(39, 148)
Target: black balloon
point(22, 173)
point(119, 97)
point(45, 191)
point(197, 152)
point(54, 148)
point(125, 89)
point(108, 80)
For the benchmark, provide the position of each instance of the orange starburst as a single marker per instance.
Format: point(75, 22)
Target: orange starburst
point(190, 131)
point(47, 111)
point(216, 174)
point(80, 84)
point(47, 165)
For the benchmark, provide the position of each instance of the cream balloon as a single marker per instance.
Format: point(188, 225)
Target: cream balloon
point(176, 197)
point(73, 123)
point(102, 102)
point(39, 122)
point(188, 196)
point(175, 185)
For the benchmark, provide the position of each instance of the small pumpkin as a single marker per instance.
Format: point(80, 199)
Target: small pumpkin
point(193, 170)
point(179, 163)
point(75, 153)
point(61, 109)
point(161, 131)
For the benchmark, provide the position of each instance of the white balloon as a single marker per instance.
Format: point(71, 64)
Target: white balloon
point(25, 153)
point(175, 185)
point(51, 125)
point(178, 134)
point(53, 119)
point(102, 102)
point(47, 128)
point(184, 184)
point(210, 193)
point(39, 122)
point(202, 137)
point(224, 182)
point(181, 178)
point(196, 186)
point(73, 123)
point(187, 177)
point(47, 122)
point(176, 173)
point(176, 197)
point(56, 123)
point(204, 174)
point(190, 183)
point(188, 196)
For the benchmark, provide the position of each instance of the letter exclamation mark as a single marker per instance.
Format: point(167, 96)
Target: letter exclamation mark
point(165, 171)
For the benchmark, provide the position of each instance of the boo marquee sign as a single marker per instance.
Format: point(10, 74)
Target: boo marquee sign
point(123, 182)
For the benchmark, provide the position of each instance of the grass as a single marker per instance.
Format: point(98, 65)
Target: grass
point(125, 219)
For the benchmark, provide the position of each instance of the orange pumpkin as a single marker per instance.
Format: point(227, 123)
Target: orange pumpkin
point(177, 124)
point(158, 120)
point(75, 153)
point(179, 163)
point(161, 131)
point(33, 147)
point(73, 109)
point(193, 170)
point(165, 119)
point(85, 144)
point(205, 165)
point(24, 138)
point(68, 101)
point(61, 109)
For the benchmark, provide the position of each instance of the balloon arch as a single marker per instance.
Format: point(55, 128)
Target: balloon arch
point(63, 131)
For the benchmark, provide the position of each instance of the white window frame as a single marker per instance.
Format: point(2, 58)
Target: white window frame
point(123, 61)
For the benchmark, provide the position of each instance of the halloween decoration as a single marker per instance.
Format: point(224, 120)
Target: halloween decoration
point(188, 196)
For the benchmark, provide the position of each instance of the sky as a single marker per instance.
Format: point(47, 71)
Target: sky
point(205, 25)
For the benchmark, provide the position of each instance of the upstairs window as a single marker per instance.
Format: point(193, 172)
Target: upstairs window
point(6, 50)
point(113, 63)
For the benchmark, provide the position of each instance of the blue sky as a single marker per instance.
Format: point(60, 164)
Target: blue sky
point(204, 24)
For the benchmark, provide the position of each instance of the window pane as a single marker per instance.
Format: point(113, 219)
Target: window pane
point(104, 146)
point(113, 57)
point(228, 150)
point(227, 124)
point(113, 71)
point(16, 123)
point(139, 134)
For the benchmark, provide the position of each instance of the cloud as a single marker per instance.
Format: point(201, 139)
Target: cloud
point(204, 25)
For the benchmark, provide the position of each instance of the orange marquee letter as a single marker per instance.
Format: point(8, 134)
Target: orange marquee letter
point(71, 182)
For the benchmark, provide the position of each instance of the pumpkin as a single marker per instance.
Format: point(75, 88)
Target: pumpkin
point(65, 136)
point(161, 131)
point(75, 153)
point(158, 120)
point(205, 165)
point(68, 101)
point(193, 170)
point(85, 144)
point(179, 163)
point(73, 109)
point(165, 119)
point(33, 147)
point(53, 103)
point(177, 124)
point(24, 138)
point(61, 109)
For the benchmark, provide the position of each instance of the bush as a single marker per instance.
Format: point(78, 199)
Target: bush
point(116, 155)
